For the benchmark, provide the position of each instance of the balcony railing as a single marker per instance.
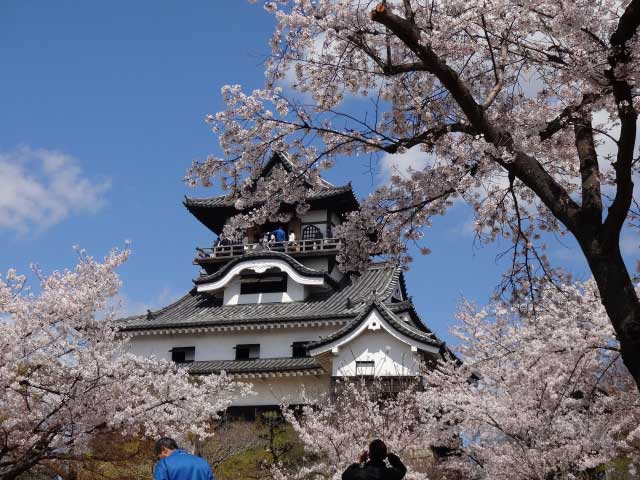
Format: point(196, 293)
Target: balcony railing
point(223, 252)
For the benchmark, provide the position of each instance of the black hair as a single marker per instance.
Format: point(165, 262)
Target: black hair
point(165, 442)
point(377, 450)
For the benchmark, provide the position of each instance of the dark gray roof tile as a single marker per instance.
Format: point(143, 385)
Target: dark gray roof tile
point(201, 309)
point(259, 365)
point(227, 201)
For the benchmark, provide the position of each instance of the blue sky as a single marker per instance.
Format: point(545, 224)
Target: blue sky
point(102, 108)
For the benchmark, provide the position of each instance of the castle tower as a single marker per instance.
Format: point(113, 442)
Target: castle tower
point(280, 314)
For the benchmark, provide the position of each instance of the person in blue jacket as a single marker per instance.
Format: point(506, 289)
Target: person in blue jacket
point(281, 236)
point(176, 464)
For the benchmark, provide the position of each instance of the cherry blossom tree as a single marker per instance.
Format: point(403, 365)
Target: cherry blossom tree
point(526, 110)
point(66, 375)
point(537, 398)
point(336, 429)
point(540, 396)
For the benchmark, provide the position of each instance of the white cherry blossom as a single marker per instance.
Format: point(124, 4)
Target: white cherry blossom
point(66, 375)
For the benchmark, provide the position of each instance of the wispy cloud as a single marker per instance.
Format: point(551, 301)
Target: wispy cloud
point(40, 188)
point(124, 306)
point(403, 163)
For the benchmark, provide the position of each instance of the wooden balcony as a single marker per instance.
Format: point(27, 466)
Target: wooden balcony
point(300, 248)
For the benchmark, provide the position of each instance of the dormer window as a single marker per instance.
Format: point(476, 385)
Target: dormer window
point(183, 354)
point(269, 282)
point(250, 351)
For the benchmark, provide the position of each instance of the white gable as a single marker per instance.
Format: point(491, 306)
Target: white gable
point(373, 322)
point(375, 340)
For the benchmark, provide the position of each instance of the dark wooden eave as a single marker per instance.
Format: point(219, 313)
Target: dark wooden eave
point(213, 212)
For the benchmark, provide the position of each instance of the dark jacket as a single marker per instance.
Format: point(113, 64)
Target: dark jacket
point(376, 470)
point(181, 465)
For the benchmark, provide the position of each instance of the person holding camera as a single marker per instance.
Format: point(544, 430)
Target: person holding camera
point(371, 465)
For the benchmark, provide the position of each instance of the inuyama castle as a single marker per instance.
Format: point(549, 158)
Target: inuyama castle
point(281, 314)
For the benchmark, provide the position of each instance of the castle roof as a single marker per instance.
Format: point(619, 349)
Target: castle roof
point(346, 301)
point(226, 201)
point(260, 255)
point(404, 327)
point(302, 365)
point(214, 211)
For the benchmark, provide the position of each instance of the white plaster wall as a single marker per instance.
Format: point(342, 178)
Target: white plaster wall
point(391, 356)
point(274, 391)
point(295, 293)
point(274, 343)
point(336, 274)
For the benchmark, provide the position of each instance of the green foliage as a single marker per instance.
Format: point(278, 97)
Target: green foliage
point(276, 442)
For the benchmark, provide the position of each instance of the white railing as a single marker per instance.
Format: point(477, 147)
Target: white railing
point(298, 246)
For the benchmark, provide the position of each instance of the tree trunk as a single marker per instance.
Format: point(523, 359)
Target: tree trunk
point(619, 298)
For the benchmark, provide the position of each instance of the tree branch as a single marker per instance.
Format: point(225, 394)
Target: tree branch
point(523, 166)
point(561, 120)
point(622, 93)
point(589, 170)
point(628, 25)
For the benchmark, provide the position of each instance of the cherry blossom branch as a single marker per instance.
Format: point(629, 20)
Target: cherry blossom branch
point(523, 166)
point(589, 169)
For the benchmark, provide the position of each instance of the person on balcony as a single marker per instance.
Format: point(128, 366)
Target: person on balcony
point(264, 241)
point(279, 236)
point(292, 241)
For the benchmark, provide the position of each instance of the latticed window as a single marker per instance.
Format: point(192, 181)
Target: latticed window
point(311, 232)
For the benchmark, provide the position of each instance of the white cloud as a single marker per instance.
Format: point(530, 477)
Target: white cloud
point(40, 188)
point(402, 163)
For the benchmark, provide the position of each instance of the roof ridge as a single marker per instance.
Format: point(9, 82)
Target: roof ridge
point(428, 333)
point(345, 187)
point(160, 311)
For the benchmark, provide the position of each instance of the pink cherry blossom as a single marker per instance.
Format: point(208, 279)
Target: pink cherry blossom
point(525, 110)
point(538, 395)
point(66, 374)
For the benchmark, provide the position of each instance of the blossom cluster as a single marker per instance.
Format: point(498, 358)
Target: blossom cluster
point(342, 83)
point(336, 429)
point(538, 395)
point(534, 394)
point(66, 373)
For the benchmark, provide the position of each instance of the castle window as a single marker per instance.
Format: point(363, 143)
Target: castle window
point(183, 354)
point(247, 351)
point(299, 349)
point(366, 369)
point(263, 283)
point(311, 232)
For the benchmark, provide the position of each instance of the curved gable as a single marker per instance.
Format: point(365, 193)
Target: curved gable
point(376, 317)
point(261, 266)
